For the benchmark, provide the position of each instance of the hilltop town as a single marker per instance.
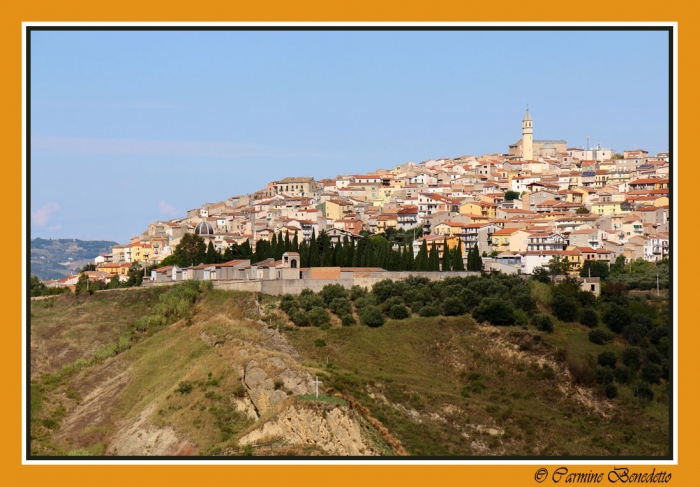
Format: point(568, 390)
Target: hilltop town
point(542, 205)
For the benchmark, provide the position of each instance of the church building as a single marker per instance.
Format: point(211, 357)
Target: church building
point(528, 149)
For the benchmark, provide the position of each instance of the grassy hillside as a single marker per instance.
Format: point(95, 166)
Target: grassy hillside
point(48, 256)
point(159, 371)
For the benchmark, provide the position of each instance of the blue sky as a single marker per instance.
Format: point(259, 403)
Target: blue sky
point(132, 127)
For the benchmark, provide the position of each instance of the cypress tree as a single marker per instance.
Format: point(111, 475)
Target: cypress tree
point(421, 263)
point(324, 248)
point(228, 253)
point(474, 259)
point(279, 248)
point(359, 251)
point(273, 244)
point(433, 259)
point(210, 257)
point(295, 243)
point(409, 260)
point(287, 243)
point(314, 255)
point(304, 254)
point(341, 258)
point(457, 261)
point(478, 263)
point(395, 261)
point(350, 254)
point(337, 256)
point(246, 252)
point(445, 256)
point(201, 256)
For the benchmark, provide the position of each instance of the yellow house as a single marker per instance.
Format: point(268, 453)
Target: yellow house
point(386, 221)
point(482, 208)
point(330, 209)
point(607, 208)
point(500, 240)
point(659, 202)
point(116, 268)
point(450, 228)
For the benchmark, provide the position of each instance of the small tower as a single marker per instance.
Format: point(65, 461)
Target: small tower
point(527, 136)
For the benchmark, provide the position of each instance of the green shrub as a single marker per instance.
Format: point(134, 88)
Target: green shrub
point(184, 387)
point(520, 317)
point(604, 375)
point(496, 311)
point(634, 333)
point(398, 312)
point(564, 307)
point(310, 301)
point(384, 289)
point(651, 373)
point(416, 306)
point(611, 391)
point(333, 291)
point(348, 320)
point(631, 357)
point(392, 301)
point(622, 374)
point(372, 316)
point(642, 390)
point(543, 322)
point(299, 317)
point(429, 310)
point(453, 307)
point(318, 316)
point(599, 336)
point(362, 303)
point(607, 359)
point(288, 303)
point(357, 292)
point(617, 317)
point(540, 292)
point(589, 318)
point(248, 450)
point(320, 343)
point(469, 298)
point(340, 306)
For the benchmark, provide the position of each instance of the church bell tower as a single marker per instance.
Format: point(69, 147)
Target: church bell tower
point(527, 136)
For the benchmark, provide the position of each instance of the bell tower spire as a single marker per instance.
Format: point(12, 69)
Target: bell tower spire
point(527, 136)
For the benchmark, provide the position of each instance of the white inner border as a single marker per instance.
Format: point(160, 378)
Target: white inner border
point(408, 461)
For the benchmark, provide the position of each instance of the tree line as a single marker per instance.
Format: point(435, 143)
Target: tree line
point(320, 251)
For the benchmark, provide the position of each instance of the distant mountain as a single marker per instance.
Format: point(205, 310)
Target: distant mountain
point(57, 258)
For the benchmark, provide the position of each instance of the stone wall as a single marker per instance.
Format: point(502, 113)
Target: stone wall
point(253, 286)
point(277, 287)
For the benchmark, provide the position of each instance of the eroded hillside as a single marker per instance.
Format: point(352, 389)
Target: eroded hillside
point(192, 371)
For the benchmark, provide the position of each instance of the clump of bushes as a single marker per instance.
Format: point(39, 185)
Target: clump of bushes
point(398, 312)
point(372, 316)
point(543, 322)
point(600, 336)
point(319, 316)
point(453, 307)
point(429, 311)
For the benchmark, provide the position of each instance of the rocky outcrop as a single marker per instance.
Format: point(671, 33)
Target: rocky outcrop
point(141, 439)
point(334, 430)
point(267, 382)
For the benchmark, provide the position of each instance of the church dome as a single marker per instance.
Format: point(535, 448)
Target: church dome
point(204, 228)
